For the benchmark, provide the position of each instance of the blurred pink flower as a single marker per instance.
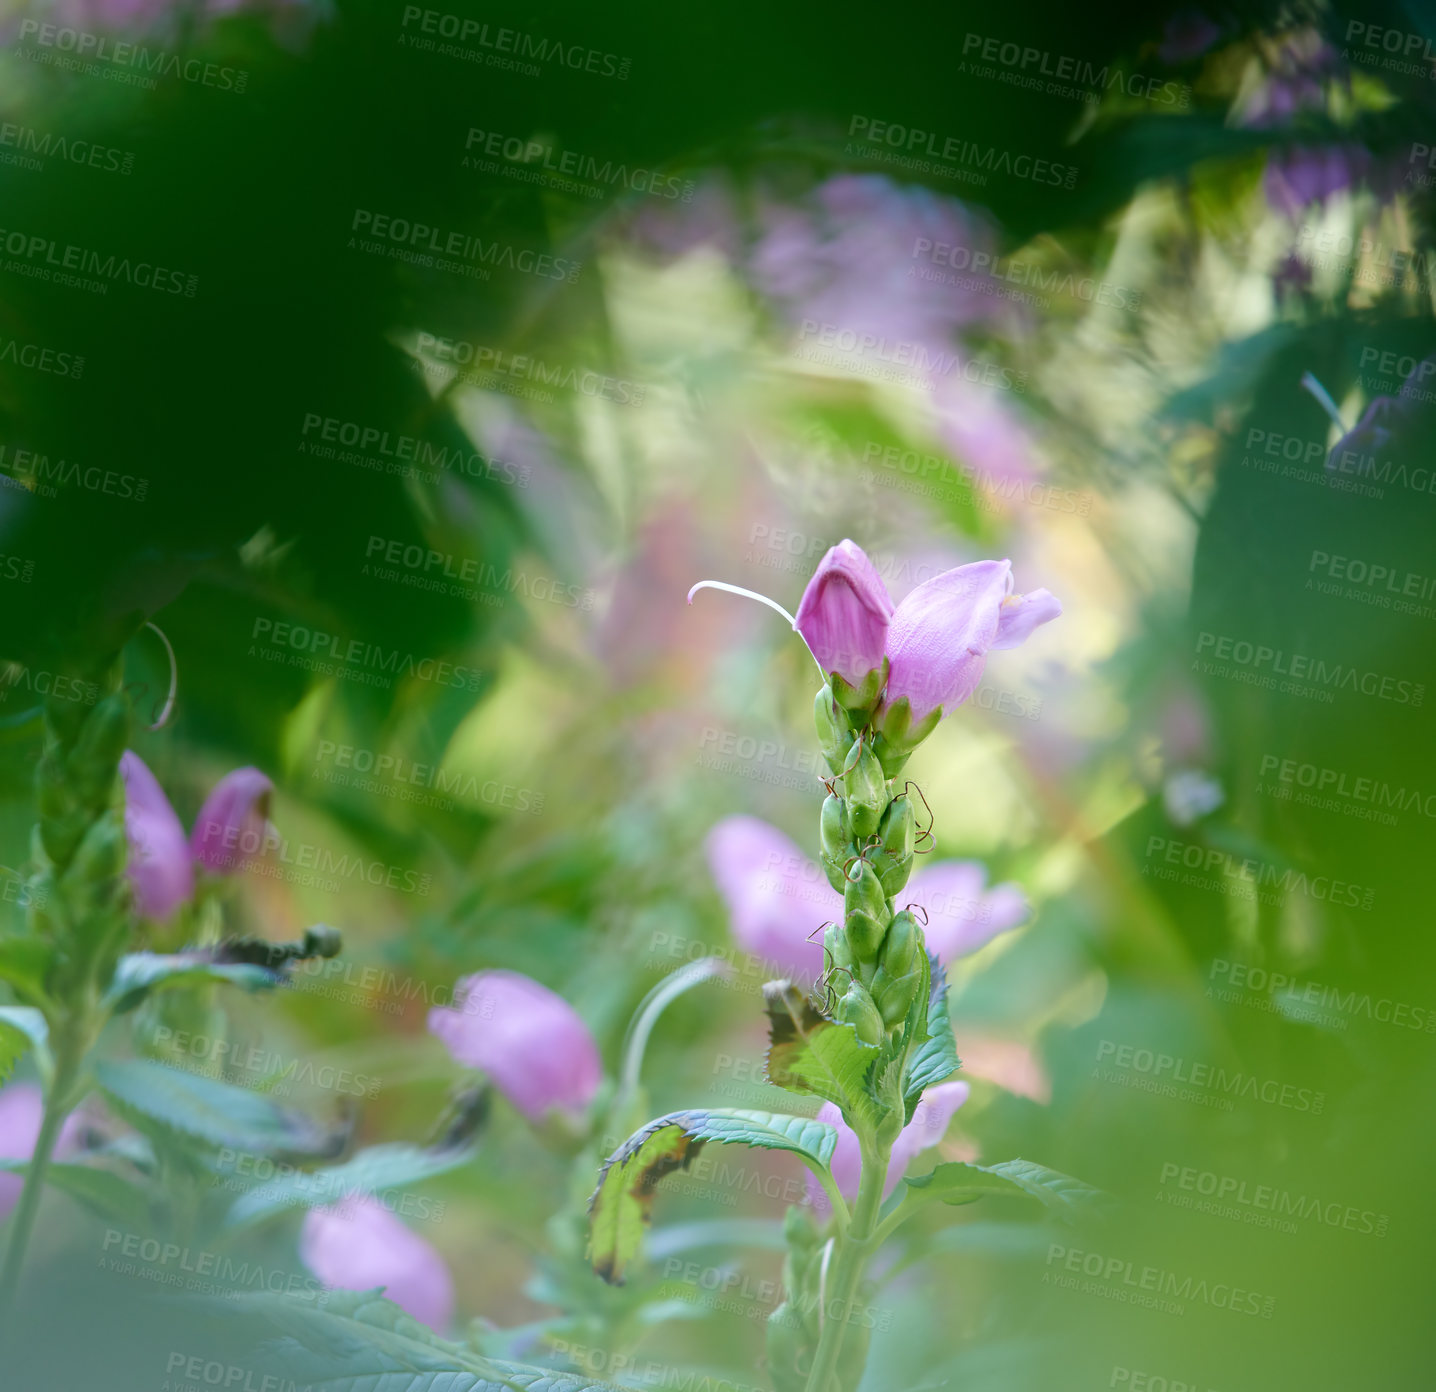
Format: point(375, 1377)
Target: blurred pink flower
point(853, 259)
point(531, 1043)
point(359, 1244)
point(844, 613)
point(942, 632)
point(928, 1126)
point(962, 915)
point(979, 429)
point(22, 1107)
point(231, 828)
point(777, 897)
point(1007, 1062)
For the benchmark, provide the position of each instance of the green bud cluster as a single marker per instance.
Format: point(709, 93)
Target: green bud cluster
point(79, 894)
point(867, 835)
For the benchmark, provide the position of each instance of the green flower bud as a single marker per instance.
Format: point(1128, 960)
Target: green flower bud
point(903, 943)
point(893, 860)
point(836, 841)
point(893, 995)
point(865, 911)
point(900, 736)
point(866, 789)
point(856, 1008)
point(789, 1353)
point(835, 735)
point(840, 953)
point(94, 762)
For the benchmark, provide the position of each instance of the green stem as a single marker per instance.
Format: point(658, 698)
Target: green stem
point(854, 1247)
point(59, 1103)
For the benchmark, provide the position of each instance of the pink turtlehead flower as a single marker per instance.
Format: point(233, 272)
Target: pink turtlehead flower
point(231, 827)
point(359, 1244)
point(844, 613)
point(777, 899)
point(531, 1043)
point(942, 632)
point(161, 869)
point(22, 1108)
point(928, 1126)
point(234, 820)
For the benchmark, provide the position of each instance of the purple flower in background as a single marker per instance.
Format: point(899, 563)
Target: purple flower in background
point(22, 1108)
point(161, 869)
point(233, 821)
point(942, 632)
point(855, 259)
point(359, 1244)
point(230, 829)
point(1296, 81)
point(928, 1126)
point(531, 1043)
point(1301, 175)
point(844, 613)
point(775, 895)
point(975, 424)
point(962, 914)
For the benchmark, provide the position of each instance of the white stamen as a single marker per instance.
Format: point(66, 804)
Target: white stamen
point(762, 599)
point(1324, 399)
point(174, 680)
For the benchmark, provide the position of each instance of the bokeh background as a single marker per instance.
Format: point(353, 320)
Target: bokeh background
point(724, 286)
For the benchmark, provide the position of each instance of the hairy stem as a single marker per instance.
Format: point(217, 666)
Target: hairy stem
point(854, 1247)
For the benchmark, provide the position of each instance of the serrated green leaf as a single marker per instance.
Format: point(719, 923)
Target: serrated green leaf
point(207, 1109)
point(139, 974)
point(359, 1342)
point(808, 1053)
point(622, 1204)
point(935, 1059)
point(22, 1028)
point(376, 1170)
point(101, 1191)
point(957, 1183)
